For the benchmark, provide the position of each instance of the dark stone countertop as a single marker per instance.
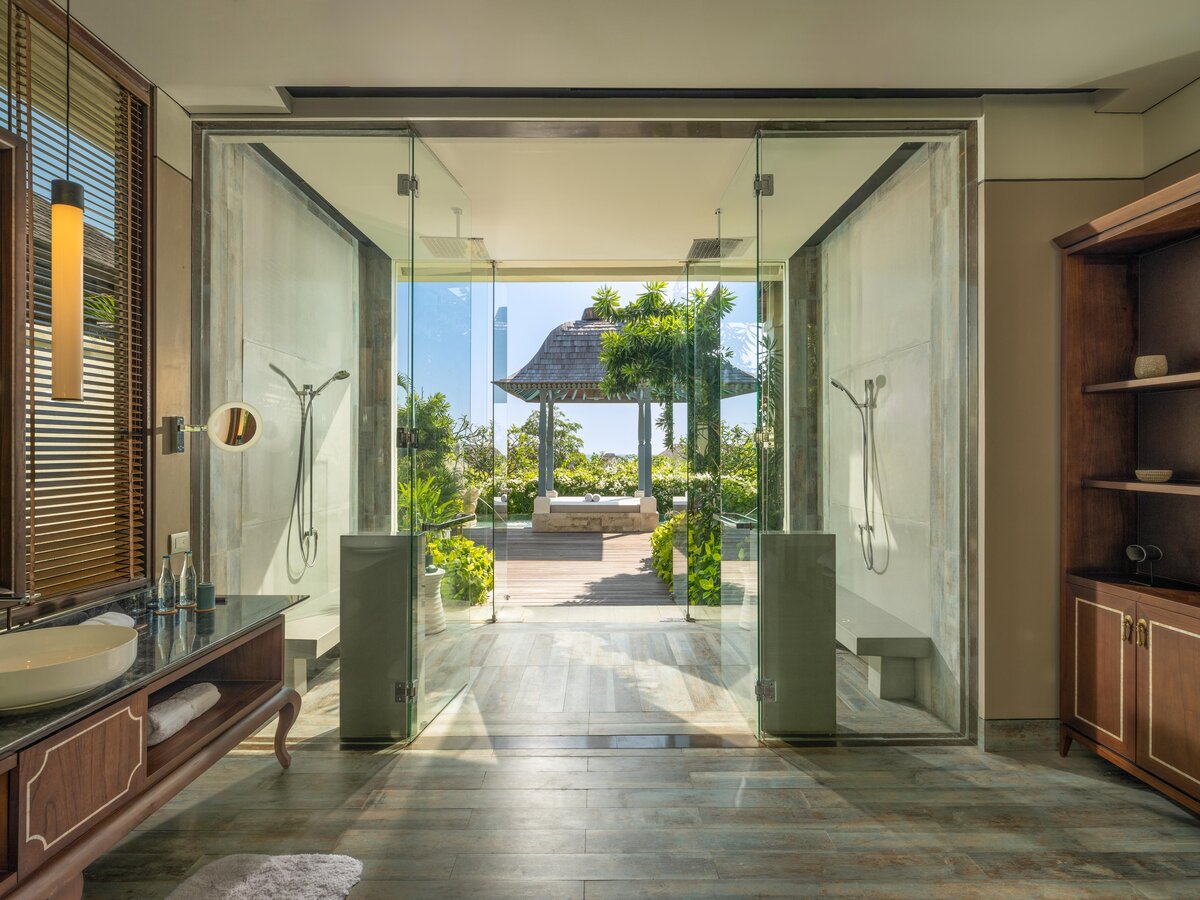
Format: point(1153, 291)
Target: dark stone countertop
point(164, 643)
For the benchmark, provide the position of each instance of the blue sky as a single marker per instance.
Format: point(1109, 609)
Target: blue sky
point(453, 352)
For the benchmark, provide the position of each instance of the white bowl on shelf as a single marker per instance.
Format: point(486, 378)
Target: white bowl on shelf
point(1154, 476)
point(49, 665)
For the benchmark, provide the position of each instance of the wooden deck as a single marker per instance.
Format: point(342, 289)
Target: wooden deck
point(558, 569)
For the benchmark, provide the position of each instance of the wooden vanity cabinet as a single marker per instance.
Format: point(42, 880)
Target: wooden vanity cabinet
point(1131, 682)
point(74, 792)
point(1168, 697)
point(1099, 691)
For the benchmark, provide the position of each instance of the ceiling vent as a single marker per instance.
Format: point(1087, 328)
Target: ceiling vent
point(716, 248)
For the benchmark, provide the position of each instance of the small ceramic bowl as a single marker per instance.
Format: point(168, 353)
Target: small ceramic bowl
point(1150, 366)
point(1154, 476)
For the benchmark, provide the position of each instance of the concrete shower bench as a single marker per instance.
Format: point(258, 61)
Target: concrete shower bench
point(890, 646)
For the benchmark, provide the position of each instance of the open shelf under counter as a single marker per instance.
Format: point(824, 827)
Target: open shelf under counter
point(1117, 483)
point(237, 698)
point(1181, 382)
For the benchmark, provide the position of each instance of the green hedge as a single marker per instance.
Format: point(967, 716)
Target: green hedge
point(668, 479)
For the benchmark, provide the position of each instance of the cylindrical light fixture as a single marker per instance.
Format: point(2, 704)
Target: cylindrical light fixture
point(66, 290)
point(66, 270)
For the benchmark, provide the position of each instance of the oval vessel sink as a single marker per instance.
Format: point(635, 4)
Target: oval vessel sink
point(49, 665)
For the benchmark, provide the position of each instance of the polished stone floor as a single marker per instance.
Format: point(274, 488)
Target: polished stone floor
point(693, 822)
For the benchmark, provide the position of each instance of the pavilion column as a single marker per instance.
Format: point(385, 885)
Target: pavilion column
point(645, 433)
point(549, 446)
point(541, 471)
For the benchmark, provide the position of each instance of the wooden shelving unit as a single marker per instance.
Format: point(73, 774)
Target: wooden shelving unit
point(1130, 283)
point(1179, 488)
point(1181, 382)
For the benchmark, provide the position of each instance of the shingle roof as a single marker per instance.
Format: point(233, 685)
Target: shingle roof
point(567, 367)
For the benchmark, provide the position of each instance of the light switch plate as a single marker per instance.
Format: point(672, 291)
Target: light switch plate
point(181, 542)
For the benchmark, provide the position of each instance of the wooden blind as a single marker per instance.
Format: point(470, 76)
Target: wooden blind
point(85, 462)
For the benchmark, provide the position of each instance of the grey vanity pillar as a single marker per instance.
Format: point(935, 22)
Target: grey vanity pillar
point(376, 633)
point(797, 610)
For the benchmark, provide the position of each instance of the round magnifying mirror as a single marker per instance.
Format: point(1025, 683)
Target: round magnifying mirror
point(235, 426)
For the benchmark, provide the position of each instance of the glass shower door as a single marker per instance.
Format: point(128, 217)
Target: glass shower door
point(446, 470)
point(727, 325)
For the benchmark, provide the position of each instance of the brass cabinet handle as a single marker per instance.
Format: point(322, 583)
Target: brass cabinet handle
point(1126, 629)
point(1143, 633)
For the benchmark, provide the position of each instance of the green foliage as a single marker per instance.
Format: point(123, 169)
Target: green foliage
point(469, 569)
point(645, 355)
point(423, 500)
point(523, 444)
point(662, 541)
point(101, 308)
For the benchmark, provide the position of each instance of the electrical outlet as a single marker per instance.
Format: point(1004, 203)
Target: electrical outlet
point(181, 542)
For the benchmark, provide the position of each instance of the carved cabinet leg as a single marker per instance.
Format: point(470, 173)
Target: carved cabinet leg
point(287, 717)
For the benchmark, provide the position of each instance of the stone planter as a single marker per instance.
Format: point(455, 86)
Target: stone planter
point(429, 595)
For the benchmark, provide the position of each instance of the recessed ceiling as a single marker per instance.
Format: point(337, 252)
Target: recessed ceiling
point(228, 55)
point(577, 200)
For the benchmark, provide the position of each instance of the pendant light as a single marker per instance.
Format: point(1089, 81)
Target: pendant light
point(66, 271)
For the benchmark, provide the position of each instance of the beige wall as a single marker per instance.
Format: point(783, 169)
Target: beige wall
point(173, 316)
point(1019, 434)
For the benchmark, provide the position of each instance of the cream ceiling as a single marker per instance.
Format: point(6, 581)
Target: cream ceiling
point(577, 200)
point(226, 55)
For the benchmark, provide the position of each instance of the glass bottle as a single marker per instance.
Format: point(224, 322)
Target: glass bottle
point(167, 588)
point(187, 583)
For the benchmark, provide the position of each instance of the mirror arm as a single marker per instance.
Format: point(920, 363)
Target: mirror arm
point(175, 427)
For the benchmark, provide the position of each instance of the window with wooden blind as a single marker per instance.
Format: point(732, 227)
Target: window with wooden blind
point(86, 478)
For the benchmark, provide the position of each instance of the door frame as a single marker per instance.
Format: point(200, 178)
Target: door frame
point(499, 119)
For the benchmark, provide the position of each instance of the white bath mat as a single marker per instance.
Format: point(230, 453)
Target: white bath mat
point(253, 876)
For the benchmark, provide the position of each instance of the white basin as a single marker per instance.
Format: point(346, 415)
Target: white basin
point(52, 664)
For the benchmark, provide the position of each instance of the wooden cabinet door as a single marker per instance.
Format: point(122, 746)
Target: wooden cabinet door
point(70, 781)
point(1099, 695)
point(1169, 697)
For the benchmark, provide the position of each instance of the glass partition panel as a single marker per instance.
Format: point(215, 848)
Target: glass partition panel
point(871, 231)
point(727, 361)
point(449, 469)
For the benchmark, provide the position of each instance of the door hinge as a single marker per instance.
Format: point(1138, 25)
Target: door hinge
point(406, 438)
point(765, 437)
point(406, 692)
point(764, 690)
point(408, 185)
point(764, 185)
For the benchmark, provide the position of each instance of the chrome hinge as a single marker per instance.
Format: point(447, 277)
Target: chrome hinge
point(764, 690)
point(765, 437)
point(406, 438)
point(406, 692)
point(408, 185)
point(764, 185)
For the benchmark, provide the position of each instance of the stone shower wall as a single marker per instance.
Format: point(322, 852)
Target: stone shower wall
point(891, 280)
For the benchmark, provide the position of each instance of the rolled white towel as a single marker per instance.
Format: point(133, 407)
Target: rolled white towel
point(111, 618)
point(172, 715)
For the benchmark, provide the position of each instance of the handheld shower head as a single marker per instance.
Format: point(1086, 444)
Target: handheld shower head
point(339, 375)
point(845, 390)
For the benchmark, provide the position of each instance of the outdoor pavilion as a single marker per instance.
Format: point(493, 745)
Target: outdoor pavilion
point(567, 369)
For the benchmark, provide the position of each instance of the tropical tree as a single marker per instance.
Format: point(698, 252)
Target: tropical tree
point(523, 444)
point(646, 354)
